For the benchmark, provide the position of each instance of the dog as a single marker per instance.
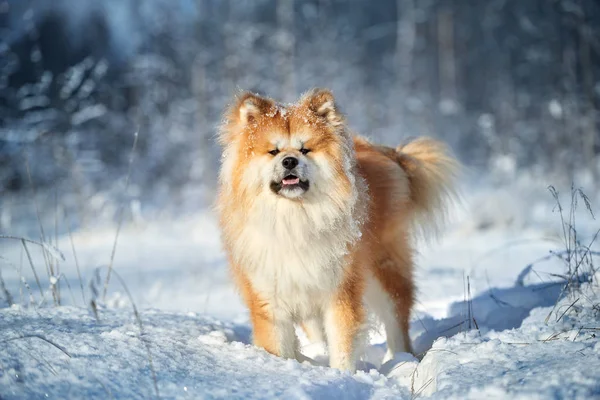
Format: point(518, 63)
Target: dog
point(318, 224)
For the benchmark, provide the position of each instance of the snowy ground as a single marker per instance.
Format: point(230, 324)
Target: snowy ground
point(481, 323)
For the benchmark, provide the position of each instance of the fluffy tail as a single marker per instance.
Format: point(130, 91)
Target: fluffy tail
point(432, 173)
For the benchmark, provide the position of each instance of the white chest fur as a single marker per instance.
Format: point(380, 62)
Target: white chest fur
point(295, 253)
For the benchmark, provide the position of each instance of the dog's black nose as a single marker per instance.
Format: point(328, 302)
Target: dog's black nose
point(289, 162)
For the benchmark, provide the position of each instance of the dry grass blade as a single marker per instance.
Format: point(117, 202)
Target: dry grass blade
point(42, 360)
point(23, 282)
point(53, 251)
point(554, 193)
point(397, 366)
point(142, 335)
point(7, 295)
point(45, 253)
point(443, 351)
point(57, 265)
point(554, 336)
point(37, 279)
point(576, 256)
point(568, 308)
point(577, 334)
point(120, 218)
point(422, 388)
point(59, 347)
point(76, 263)
point(587, 202)
point(453, 326)
point(106, 389)
point(94, 283)
point(63, 277)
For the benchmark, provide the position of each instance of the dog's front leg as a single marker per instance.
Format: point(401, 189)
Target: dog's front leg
point(343, 322)
point(272, 328)
point(285, 335)
point(273, 332)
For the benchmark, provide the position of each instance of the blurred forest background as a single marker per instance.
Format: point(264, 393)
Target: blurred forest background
point(512, 85)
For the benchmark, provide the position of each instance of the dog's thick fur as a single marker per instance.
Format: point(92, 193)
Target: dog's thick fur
point(310, 246)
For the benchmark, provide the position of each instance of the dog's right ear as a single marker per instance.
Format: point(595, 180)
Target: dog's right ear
point(246, 108)
point(249, 107)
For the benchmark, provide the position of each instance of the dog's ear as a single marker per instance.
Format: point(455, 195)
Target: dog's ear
point(246, 108)
point(250, 106)
point(322, 103)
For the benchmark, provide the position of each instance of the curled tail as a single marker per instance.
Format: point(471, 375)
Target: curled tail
point(432, 173)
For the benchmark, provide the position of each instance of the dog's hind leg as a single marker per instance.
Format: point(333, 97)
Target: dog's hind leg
point(393, 315)
point(390, 294)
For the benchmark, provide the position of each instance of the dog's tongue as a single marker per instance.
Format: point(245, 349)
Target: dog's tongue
point(290, 181)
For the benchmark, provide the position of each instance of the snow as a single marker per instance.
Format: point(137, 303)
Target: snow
point(538, 360)
point(487, 323)
point(194, 357)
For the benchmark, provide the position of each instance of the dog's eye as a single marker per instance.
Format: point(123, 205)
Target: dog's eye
point(274, 152)
point(305, 151)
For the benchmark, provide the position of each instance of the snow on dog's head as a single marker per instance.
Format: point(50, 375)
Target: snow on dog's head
point(300, 152)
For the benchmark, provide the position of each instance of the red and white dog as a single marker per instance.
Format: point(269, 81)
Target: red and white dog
point(317, 222)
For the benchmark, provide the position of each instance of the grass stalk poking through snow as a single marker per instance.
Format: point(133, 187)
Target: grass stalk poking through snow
point(120, 217)
point(50, 252)
point(577, 257)
point(138, 319)
point(76, 262)
point(48, 262)
point(5, 292)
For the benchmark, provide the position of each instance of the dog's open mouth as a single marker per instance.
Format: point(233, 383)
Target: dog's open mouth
point(290, 180)
point(290, 183)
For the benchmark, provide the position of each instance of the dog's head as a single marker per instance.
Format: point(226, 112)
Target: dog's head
point(298, 152)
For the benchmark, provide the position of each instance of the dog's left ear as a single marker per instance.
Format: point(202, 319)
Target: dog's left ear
point(322, 103)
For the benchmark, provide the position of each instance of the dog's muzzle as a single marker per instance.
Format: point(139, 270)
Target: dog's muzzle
point(290, 185)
